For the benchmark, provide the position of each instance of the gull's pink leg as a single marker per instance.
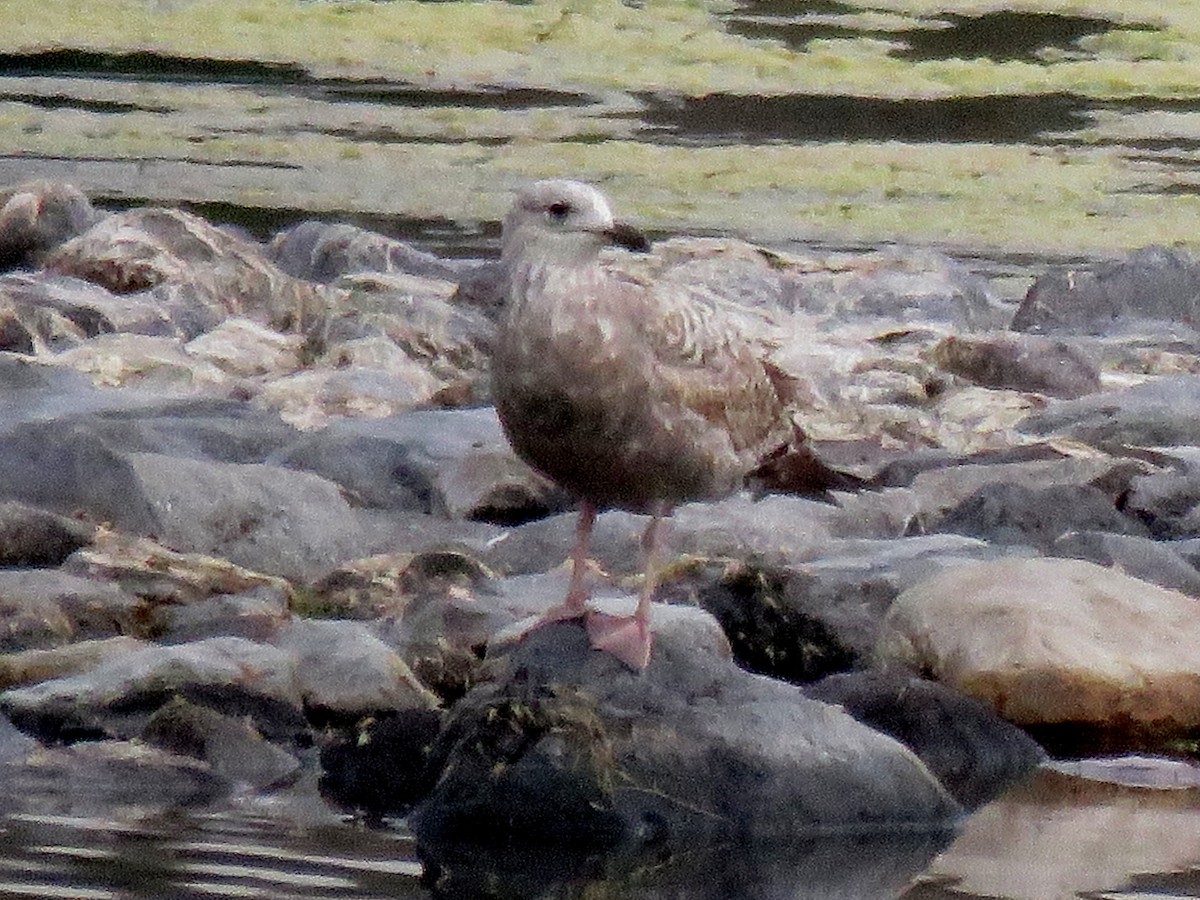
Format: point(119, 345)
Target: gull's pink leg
point(628, 638)
point(575, 604)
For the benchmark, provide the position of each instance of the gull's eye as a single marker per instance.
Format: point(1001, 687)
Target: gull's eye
point(558, 211)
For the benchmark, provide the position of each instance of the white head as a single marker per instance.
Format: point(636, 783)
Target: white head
point(562, 221)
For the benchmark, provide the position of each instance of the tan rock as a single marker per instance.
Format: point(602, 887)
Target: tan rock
point(1051, 641)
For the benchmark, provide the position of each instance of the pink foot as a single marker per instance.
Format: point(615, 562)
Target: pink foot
point(627, 638)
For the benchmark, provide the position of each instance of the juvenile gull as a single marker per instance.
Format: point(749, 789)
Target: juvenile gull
point(630, 394)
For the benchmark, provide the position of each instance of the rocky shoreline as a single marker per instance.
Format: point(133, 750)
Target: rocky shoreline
point(261, 535)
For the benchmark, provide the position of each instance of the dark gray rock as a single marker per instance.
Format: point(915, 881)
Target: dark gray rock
point(231, 747)
point(257, 614)
point(1155, 561)
point(1109, 297)
point(32, 537)
point(1168, 504)
point(453, 463)
point(1011, 513)
point(1019, 362)
point(569, 746)
point(1162, 412)
point(972, 751)
point(903, 471)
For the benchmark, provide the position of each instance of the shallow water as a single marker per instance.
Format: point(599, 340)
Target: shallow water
point(1051, 838)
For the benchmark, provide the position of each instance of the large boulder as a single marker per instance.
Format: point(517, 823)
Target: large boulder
point(568, 746)
point(1061, 645)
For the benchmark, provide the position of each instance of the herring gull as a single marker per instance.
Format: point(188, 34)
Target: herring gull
point(630, 394)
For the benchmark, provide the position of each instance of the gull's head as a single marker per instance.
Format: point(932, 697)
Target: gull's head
point(563, 221)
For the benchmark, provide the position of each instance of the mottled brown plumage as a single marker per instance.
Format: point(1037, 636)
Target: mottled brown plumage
point(628, 394)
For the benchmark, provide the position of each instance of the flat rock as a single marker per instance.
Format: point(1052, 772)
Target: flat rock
point(1011, 513)
point(118, 697)
point(33, 666)
point(1162, 412)
point(569, 746)
point(1155, 561)
point(1055, 642)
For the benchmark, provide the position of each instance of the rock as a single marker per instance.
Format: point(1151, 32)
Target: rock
point(1019, 362)
point(244, 349)
point(1160, 283)
point(58, 312)
point(1154, 561)
point(1133, 770)
point(162, 576)
point(138, 360)
point(1162, 412)
point(257, 614)
point(32, 537)
point(383, 767)
point(34, 666)
point(38, 216)
point(345, 671)
point(92, 779)
point(1012, 513)
point(323, 251)
point(1167, 503)
point(554, 751)
point(192, 265)
point(448, 462)
point(973, 752)
point(42, 608)
point(1068, 647)
point(232, 748)
point(118, 697)
point(312, 399)
point(908, 286)
point(264, 517)
point(903, 471)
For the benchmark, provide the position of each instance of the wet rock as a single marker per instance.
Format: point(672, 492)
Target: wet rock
point(94, 778)
point(1152, 283)
point(32, 537)
point(232, 748)
point(14, 745)
point(1011, 513)
point(552, 751)
point(38, 216)
point(41, 608)
point(973, 752)
point(323, 251)
point(1065, 646)
point(33, 666)
point(118, 697)
point(383, 768)
point(453, 463)
point(1161, 412)
point(192, 264)
point(1154, 561)
point(1019, 362)
point(1133, 770)
point(345, 671)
